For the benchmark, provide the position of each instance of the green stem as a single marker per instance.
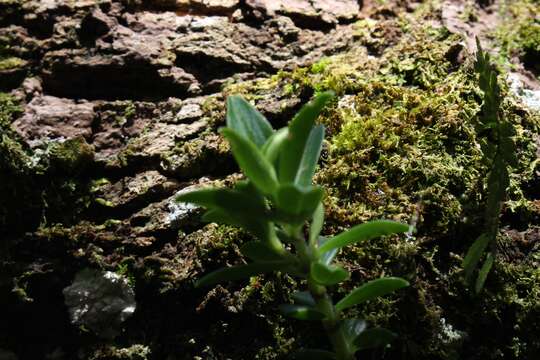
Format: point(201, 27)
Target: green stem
point(273, 240)
point(323, 301)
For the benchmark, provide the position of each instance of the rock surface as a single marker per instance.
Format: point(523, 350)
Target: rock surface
point(100, 301)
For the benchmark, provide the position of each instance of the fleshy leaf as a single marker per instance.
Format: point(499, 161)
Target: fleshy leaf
point(298, 201)
point(301, 312)
point(328, 275)
point(243, 118)
point(327, 256)
point(474, 254)
point(235, 207)
point(252, 162)
point(309, 160)
point(371, 290)
point(258, 227)
point(352, 328)
point(313, 354)
point(240, 272)
point(373, 338)
point(221, 217)
point(483, 273)
point(303, 298)
point(316, 223)
point(260, 251)
point(272, 146)
point(226, 199)
point(292, 150)
point(364, 232)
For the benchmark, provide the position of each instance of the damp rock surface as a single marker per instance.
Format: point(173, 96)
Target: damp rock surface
point(100, 301)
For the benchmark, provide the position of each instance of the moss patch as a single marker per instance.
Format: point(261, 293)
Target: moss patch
point(519, 33)
point(15, 173)
point(12, 63)
point(402, 144)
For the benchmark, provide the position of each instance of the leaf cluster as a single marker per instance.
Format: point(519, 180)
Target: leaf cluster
point(278, 204)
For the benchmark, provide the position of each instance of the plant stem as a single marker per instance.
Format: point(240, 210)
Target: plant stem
point(323, 301)
point(332, 322)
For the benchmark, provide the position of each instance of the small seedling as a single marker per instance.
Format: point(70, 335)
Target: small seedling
point(499, 153)
point(279, 205)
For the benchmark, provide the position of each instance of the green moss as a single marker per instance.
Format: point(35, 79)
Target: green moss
point(320, 66)
point(9, 109)
point(519, 33)
point(402, 143)
point(71, 156)
point(17, 187)
point(11, 63)
point(133, 352)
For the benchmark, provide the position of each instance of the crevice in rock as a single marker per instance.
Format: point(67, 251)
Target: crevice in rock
point(110, 82)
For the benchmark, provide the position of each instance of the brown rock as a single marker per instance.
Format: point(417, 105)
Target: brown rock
point(197, 157)
point(48, 117)
point(117, 123)
point(96, 24)
point(133, 191)
point(209, 6)
point(309, 13)
point(157, 141)
point(132, 74)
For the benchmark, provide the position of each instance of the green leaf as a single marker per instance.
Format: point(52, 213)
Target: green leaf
point(252, 162)
point(316, 224)
point(303, 298)
point(298, 201)
point(260, 251)
point(240, 272)
point(292, 150)
point(364, 232)
point(373, 338)
point(474, 254)
point(224, 199)
point(483, 273)
point(328, 275)
point(221, 217)
point(371, 290)
point(258, 227)
point(328, 256)
point(237, 207)
point(301, 312)
point(313, 354)
point(243, 118)
point(508, 148)
point(309, 160)
point(352, 328)
point(272, 146)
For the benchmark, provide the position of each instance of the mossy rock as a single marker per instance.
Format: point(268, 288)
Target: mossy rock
point(519, 34)
point(402, 144)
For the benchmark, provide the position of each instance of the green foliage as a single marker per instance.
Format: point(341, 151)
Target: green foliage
point(371, 290)
point(499, 153)
point(275, 204)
